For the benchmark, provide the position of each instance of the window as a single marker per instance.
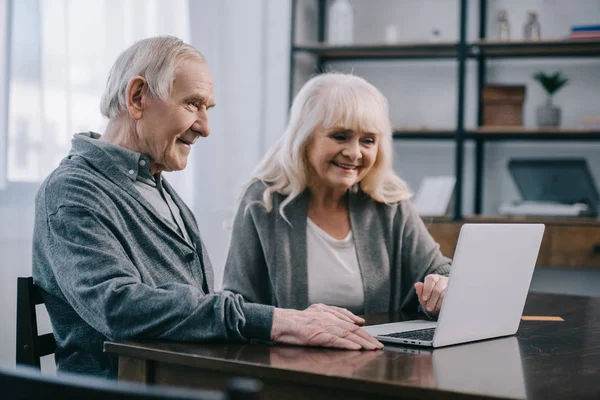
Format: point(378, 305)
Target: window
point(60, 53)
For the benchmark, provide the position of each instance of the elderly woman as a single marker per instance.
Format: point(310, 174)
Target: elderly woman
point(326, 220)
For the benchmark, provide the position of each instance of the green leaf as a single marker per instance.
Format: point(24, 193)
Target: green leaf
point(551, 82)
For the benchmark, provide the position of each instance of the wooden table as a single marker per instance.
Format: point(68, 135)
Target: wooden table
point(545, 360)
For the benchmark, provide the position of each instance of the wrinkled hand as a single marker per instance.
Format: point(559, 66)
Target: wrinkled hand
point(431, 292)
point(339, 312)
point(317, 328)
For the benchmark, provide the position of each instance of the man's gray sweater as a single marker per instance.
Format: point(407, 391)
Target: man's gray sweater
point(111, 268)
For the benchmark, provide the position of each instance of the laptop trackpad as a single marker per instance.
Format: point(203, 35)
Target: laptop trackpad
point(399, 327)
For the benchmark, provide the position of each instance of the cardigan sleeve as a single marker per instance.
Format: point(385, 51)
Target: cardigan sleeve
point(246, 270)
point(420, 255)
point(105, 289)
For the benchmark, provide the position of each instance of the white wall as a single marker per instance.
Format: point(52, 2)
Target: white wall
point(247, 48)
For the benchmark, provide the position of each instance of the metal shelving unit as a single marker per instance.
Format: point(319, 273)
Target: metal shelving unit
point(480, 51)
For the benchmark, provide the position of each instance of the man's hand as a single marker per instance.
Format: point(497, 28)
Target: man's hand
point(339, 312)
point(318, 328)
point(431, 292)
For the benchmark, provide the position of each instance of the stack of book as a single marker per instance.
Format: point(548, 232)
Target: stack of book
point(585, 32)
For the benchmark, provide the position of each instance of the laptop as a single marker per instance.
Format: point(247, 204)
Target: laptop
point(562, 187)
point(487, 288)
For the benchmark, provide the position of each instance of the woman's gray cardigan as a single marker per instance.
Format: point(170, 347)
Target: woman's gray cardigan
point(267, 256)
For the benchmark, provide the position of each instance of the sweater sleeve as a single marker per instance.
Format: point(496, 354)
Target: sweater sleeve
point(246, 270)
point(420, 254)
point(104, 287)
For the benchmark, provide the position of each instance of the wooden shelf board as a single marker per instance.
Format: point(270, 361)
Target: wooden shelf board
point(380, 50)
point(424, 134)
point(543, 48)
point(522, 133)
point(558, 48)
point(532, 130)
point(495, 133)
point(525, 219)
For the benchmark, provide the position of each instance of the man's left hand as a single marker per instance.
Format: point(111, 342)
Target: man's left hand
point(431, 292)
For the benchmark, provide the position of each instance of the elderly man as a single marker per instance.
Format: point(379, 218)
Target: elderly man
point(118, 254)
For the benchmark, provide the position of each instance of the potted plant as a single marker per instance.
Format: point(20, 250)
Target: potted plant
point(548, 114)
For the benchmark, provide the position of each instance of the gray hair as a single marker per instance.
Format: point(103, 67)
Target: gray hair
point(155, 59)
point(325, 101)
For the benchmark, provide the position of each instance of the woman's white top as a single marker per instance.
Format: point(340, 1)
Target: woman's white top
point(334, 276)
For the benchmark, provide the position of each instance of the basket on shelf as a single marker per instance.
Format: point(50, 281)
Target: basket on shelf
point(503, 105)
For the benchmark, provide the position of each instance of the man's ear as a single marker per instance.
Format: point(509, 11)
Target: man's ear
point(137, 96)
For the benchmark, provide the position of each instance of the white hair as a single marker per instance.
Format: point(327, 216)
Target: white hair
point(155, 59)
point(326, 101)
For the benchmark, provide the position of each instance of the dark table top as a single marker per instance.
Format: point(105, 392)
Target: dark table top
point(544, 360)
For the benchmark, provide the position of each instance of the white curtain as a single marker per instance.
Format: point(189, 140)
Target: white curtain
point(246, 44)
point(62, 51)
point(3, 87)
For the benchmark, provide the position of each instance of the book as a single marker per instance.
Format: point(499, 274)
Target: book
point(584, 28)
point(434, 195)
point(589, 35)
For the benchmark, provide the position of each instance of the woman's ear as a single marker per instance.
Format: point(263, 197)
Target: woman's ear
point(137, 92)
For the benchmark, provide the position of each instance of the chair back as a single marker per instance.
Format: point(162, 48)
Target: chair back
point(30, 346)
point(27, 383)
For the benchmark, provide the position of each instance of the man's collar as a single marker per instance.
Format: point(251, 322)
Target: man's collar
point(134, 165)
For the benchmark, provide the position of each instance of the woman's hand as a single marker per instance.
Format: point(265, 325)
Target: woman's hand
point(431, 292)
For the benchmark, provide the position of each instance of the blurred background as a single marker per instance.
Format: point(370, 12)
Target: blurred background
point(55, 56)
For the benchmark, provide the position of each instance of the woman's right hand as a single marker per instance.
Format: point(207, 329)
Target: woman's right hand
point(319, 328)
point(431, 292)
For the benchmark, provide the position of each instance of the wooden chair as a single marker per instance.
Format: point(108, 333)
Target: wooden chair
point(27, 383)
point(30, 345)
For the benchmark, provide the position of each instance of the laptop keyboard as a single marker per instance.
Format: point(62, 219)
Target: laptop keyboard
point(421, 334)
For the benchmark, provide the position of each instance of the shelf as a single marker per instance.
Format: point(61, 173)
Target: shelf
point(545, 48)
point(424, 134)
point(519, 133)
point(580, 221)
point(380, 51)
point(374, 51)
point(505, 133)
